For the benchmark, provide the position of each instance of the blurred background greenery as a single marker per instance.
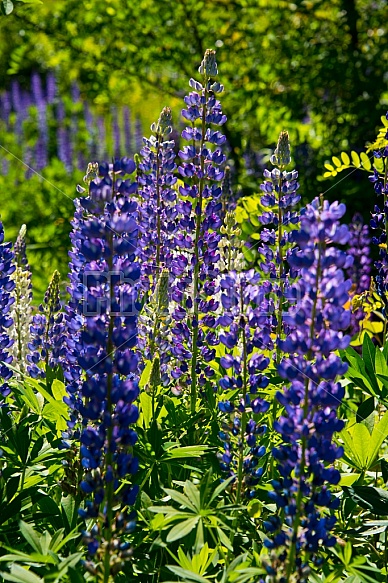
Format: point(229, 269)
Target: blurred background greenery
point(314, 67)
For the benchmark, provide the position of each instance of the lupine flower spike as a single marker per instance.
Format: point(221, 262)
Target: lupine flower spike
point(359, 272)
point(311, 397)
point(379, 222)
point(7, 286)
point(47, 331)
point(195, 265)
point(157, 213)
point(103, 314)
point(280, 195)
point(21, 310)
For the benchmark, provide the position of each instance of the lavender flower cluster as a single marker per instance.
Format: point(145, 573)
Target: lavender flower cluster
point(312, 395)
point(80, 134)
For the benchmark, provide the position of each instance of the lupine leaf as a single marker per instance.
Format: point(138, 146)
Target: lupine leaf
point(21, 575)
point(373, 499)
point(379, 434)
point(180, 499)
point(188, 575)
point(361, 439)
point(182, 529)
point(31, 536)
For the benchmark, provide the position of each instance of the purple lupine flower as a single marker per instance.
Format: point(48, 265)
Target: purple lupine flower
point(116, 133)
point(6, 108)
point(359, 272)
point(17, 104)
point(244, 364)
point(127, 130)
point(7, 285)
point(280, 196)
point(65, 153)
point(138, 135)
point(157, 227)
point(47, 332)
point(51, 87)
point(41, 147)
point(103, 315)
point(379, 222)
point(156, 188)
point(101, 129)
point(91, 131)
point(37, 89)
point(196, 259)
point(312, 395)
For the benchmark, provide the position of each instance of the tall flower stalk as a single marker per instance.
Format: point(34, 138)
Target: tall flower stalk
point(156, 189)
point(47, 332)
point(360, 271)
point(244, 379)
point(104, 311)
point(280, 197)
point(379, 222)
point(312, 395)
point(7, 286)
point(200, 214)
point(21, 308)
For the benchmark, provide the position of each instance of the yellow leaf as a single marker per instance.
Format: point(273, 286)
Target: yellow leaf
point(348, 479)
point(366, 163)
point(329, 167)
point(374, 327)
point(336, 161)
point(345, 158)
point(355, 158)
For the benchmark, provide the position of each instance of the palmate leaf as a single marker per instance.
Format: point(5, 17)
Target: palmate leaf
point(187, 575)
point(373, 499)
point(182, 529)
point(379, 434)
point(21, 575)
point(191, 451)
point(181, 499)
point(361, 447)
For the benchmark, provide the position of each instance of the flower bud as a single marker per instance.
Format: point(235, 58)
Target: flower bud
point(163, 125)
point(282, 155)
point(208, 67)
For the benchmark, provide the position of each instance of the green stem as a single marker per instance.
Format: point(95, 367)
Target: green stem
point(198, 217)
point(18, 323)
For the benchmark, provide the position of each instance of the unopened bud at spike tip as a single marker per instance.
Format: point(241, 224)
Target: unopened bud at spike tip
point(282, 154)
point(20, 248)
point(91, 172)
point(164, 124)
point(208, 67)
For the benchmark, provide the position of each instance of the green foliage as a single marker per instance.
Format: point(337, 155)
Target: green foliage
point(363, 160)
